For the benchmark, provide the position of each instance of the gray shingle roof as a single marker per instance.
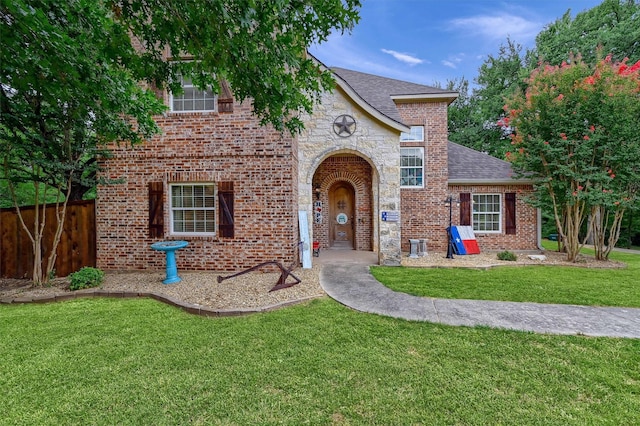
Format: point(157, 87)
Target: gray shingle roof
point(377, 91)
point(471, 166)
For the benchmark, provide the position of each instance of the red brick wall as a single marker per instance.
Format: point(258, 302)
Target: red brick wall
point(423, 214)
point(525, 238)
point(356, 171)
point(203, 147)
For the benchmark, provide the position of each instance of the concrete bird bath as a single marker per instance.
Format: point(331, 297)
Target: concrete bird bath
point(170, 247)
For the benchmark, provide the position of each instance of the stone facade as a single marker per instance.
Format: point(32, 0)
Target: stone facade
point(376, 145)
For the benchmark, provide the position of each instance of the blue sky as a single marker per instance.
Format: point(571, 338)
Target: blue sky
point(427, 41)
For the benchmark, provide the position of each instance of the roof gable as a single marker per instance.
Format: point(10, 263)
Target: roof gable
point(380, 92)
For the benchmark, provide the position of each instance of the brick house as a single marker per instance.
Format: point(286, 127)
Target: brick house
point(372, 169)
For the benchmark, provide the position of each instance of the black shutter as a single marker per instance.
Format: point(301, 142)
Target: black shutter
point(225, 209)
point(225, 97)
point(510, 213)
point(156, 210)
point(465, 209)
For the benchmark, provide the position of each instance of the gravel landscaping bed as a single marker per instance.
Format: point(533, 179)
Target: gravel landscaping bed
point(245, 292)
point(252, 291)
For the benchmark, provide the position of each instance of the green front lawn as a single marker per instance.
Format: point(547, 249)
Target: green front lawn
point(544, 284)
point(138, 361)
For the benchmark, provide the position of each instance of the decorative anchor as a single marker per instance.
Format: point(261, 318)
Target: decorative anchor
point(282, 281)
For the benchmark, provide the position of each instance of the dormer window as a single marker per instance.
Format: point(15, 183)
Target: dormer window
point(193, 99)
point(415, 135)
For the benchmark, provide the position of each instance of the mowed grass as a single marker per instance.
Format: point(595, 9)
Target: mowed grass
point(138, 361)
point(543, 284)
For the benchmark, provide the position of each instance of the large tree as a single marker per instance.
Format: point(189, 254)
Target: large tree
point(475, 120)
point(78, 75)
point(613, 26)
point(576, 138)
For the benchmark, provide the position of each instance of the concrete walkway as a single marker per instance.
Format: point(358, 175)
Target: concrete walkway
point(345, 277)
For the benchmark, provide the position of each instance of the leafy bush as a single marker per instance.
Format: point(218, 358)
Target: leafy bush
point(86, 277)
point(507, 255)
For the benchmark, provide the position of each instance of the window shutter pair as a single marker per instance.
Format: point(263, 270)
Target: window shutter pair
point(509, 211)
point(225, 209)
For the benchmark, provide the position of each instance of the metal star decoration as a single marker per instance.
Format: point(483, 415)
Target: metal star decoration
point(344, 125)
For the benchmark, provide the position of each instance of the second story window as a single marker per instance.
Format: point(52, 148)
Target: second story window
point(193, 99)
point(411, 167)
point(415, 135)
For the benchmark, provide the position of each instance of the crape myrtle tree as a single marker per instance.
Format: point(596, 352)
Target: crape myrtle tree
point(576, 138)
point(77, 76)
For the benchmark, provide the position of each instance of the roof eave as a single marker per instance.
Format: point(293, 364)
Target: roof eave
point(426, 97)
point(367, 107)
point(511, 181)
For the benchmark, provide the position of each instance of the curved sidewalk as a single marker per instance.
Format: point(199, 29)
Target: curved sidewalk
point(351, 284)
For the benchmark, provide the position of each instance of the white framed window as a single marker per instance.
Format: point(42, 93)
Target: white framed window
point(412, 167)
point(415, 135)
point(487, 212)
point(193, 209)
point(193, 99)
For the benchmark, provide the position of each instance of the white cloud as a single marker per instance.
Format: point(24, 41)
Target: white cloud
point(453, 60)
point(403, 57)
point(498, 27)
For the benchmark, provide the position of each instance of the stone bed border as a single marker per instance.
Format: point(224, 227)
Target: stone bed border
point(187, 307)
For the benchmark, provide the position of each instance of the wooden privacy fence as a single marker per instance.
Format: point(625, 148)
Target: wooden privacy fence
point(77, 247)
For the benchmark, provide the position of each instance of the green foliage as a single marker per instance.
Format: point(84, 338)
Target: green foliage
point(259, 47)
point(475, 120)
point(86, 277)
point(613, 27)
point(73, 83)
point(576, 139)
point(507, 255)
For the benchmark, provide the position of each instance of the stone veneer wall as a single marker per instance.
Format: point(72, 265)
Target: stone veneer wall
point(375, 143)
point(203, 147)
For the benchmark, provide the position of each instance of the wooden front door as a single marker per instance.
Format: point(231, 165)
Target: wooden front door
point(341, 215)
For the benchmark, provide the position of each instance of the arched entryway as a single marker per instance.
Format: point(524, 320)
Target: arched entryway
point(343, 204)
point(341, 215)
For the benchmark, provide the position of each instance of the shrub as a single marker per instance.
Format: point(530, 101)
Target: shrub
point(86, 277)
point(507, 255)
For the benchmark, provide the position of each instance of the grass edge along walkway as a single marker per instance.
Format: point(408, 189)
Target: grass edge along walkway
point(537, 284)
